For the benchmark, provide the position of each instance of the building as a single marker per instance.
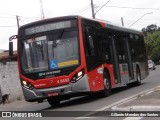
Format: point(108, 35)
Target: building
point(9, 77)
point(4, 56)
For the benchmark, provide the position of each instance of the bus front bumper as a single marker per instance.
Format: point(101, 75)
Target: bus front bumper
point(72, 89)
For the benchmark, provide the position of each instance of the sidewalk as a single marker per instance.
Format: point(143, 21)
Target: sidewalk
point(145, 101)
point(13, 106)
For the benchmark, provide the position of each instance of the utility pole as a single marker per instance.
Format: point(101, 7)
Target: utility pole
point(122, 21)
point(42, 11)
point(17, 18)
point(92, 7)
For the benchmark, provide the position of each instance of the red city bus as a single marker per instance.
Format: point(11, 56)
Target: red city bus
point(63, 57)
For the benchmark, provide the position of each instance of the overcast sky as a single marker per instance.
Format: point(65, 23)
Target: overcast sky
point(30, 10)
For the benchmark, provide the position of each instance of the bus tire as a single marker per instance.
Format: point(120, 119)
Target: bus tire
point(138, 77)
point(54, 102)
point(107, 85)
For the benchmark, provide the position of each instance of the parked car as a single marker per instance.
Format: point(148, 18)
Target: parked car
point(151, 65)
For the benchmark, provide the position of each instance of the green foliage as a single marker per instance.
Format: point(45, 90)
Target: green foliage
point(152, 41)
point(150, 29)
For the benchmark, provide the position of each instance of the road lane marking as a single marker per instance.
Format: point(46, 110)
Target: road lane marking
point(79, 118)
point(133, 118)
point(118, 103)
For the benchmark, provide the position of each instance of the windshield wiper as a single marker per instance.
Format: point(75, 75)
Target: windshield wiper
point(61, 34)
point(59, 37)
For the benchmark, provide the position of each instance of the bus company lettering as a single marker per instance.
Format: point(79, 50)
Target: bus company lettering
point(64, 80)
point(52, 72)
point(48, 73)
point(40, 85)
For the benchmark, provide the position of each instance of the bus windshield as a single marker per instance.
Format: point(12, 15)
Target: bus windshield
point(51, 51)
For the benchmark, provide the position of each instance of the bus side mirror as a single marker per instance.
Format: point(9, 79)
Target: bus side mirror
point(11, 44)
point(10, 48)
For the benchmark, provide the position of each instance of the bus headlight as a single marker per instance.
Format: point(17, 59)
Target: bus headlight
point(77, 76)
point(27, 85)
point(24, 82)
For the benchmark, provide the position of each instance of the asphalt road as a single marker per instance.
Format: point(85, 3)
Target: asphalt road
point(95, 102)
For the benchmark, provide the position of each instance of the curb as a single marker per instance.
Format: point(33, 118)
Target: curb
point(137, 108)
point(114, 107)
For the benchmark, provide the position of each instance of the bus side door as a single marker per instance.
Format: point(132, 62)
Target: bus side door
point(119, 59)
point(128, 54)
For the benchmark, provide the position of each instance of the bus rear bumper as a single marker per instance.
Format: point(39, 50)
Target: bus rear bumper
point(72, 89)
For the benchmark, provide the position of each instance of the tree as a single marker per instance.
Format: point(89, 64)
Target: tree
point(152, 41)
point(150, 29)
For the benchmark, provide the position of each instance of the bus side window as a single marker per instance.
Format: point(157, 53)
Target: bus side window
point(90, 43)
point(91, 47)
point(104, 46)
point(133, 47)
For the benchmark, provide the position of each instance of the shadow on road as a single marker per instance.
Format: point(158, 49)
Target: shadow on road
point(89, 98)
point(76, 101)
point(129, 86)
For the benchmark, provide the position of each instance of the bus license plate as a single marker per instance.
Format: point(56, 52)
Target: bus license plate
point(53, 94)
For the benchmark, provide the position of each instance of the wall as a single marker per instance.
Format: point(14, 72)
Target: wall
point(9, 81)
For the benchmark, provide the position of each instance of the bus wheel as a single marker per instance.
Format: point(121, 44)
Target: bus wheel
point(138, 77)
point(53, 101)
point(107, 85)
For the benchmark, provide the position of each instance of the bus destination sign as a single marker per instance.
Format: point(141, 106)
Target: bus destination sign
point(48, 27)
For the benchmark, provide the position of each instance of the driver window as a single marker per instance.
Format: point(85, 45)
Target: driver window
point(90, 42)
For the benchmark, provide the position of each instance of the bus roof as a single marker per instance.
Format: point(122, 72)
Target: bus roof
point(111, 25)
point(106, 24)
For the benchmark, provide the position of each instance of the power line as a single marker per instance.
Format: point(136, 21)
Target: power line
point(25, 17)
point(135, 8)
point(9, 26)
point(84, 10)
point(140, 18)
point(102, 6)
point(92, 7)
point(81, 10)
point(8, 14)
point(144, 19)
point(100, 15)
point(7, 17)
